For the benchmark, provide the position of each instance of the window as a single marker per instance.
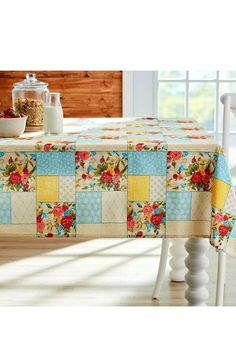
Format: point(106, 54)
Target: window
point(196, 94)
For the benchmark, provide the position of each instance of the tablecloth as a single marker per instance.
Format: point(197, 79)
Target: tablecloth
point(118, 177)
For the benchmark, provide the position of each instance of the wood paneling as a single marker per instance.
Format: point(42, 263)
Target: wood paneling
point(83, 93)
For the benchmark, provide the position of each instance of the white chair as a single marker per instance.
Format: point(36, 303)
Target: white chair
point(229, 102)
point(162, 268)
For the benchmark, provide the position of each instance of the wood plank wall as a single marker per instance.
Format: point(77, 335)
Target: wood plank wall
point(83, 93)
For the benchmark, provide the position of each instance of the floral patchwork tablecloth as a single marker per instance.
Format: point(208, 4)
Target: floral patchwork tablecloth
point(118, 177)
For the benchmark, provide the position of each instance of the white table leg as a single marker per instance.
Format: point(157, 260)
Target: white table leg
point(177, 264)
point(196, 277)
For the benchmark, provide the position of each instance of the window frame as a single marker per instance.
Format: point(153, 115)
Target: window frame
point(217, 80)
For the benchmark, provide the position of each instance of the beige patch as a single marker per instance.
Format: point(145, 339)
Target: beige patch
point(114, 207)
point(102, 230)
point(188, 229)
point(16, 230)
point(201, 206)
point(230, 204)
point(23, 207)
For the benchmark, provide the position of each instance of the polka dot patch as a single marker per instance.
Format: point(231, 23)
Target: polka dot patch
point(89, 207)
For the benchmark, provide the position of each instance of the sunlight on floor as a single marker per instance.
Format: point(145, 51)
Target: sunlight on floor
point(83, 273)
point(101, 272)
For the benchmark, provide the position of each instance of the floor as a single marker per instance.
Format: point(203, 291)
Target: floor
point(114, 272)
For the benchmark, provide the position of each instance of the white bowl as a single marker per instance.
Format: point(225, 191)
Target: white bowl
point(13, 127)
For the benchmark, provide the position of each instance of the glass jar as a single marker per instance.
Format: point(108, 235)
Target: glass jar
point(28, 98)
point(53, 114)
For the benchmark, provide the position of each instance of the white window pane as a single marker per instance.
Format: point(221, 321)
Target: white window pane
point(202, 75)
point(226, 88)
point(172, 74)
point(232, 155)
point(171, 99)
point(202, 103)
point(227, 75)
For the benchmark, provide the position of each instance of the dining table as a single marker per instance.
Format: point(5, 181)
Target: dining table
point(135, 177)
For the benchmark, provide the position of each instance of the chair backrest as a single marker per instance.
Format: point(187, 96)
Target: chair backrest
point(229, 102)
point(232, 97)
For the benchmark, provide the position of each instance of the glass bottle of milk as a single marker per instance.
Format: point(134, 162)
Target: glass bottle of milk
point(53, 114)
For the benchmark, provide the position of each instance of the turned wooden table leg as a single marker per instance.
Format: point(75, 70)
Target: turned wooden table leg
point(177, 264)
point(196, 262)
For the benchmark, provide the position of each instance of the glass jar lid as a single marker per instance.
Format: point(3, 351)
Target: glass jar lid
point(30, 82)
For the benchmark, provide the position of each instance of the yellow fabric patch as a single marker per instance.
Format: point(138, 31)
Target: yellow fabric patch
point(138, 188)
point(47, 188)
point(220, 191)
